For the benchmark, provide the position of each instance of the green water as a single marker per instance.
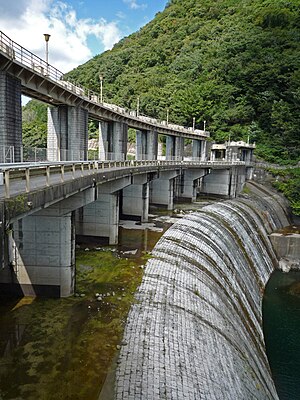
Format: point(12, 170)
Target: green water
point(281, 315)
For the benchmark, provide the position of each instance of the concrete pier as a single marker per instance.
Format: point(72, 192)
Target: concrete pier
point(227, 182)
point(162, 189)
point(199, 150)
point(10, 114)
point(42, 255)
point(67, 137)
point(113, 137)
point(100, 218)
point(135, 198)
point(190, 183)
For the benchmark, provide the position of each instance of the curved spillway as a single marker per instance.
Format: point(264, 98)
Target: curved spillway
point(195, 331)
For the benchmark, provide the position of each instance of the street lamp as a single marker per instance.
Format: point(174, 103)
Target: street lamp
point(167, 116)
point(204, 125)
point(138, 106)
point(194, 119)
point(47, 37)
point(101, 88)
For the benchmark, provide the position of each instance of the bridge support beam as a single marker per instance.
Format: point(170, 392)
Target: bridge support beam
point(67, 138)
point(199, 150)
point(146, 145)
point(135, 198)
point(179, 148)
point(113, 138)
point(162, 189)
point(174, 148)
point(42, 255)
point(227, 182)
point(10, 116)
point(170, 147)
point(101, 217)
point(190, 182)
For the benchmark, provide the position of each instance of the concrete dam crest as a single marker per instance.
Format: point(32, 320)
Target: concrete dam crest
point(195, 331)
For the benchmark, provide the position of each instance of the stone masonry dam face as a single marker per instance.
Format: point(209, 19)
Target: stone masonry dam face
point(195, 331)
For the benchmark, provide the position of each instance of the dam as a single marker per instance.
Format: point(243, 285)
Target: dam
point(195, 329)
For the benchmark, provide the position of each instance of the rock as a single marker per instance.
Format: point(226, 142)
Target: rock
point(119, 298)
point(284, 265)
point(118, 347)
point(82, 295)
point(99, 298)
point(86, 249)
point(97, 294)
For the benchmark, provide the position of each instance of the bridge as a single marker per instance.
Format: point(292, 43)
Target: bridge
point(22, 72)
point(44, 206)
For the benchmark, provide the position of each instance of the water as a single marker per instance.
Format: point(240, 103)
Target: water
point(55, 349)
point(281, 310)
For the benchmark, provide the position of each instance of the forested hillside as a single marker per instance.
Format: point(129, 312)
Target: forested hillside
point(233, 63)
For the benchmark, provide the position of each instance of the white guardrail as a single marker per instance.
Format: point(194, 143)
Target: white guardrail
point(24, 174)
point(18, 53)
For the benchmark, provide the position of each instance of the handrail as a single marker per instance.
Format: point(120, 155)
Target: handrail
point(16, 52)
point(66, 171)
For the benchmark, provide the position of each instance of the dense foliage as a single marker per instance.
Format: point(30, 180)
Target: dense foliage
point(34, 122)
point(288, 182)
point(233, 63)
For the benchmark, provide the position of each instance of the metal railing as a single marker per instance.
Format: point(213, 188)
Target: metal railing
point(16, 52)
point(24, 175)
point(7, 154)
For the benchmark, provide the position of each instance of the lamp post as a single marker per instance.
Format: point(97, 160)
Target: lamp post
point(167, 116)
point(194, 119)
point(47, 37)
point(204, 125)
point(138, 106)
point(101, 88)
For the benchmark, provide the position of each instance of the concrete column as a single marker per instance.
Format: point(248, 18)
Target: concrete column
point(196, 149)
point(141, 145)
point(57, 133)
point(146, 145)
point(224, 182)
point(204, 150)
point(10, 116)
point(162, 189)
point(43, 254)
point(67, 133)
point(119, 140)
point(103, 140)
point(135, 198)
point(100, 218)
point(190, 183)
point(179, 148)
point(170, 147)
point(77, 133)
point(199, 150)
point(217, 182)
point(152, 145)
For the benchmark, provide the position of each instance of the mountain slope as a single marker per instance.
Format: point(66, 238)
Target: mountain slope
point(233, 63)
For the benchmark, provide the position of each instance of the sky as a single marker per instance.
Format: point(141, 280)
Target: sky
point(79, 29)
